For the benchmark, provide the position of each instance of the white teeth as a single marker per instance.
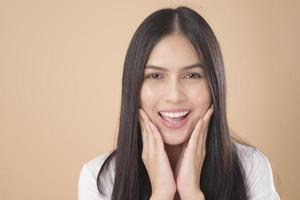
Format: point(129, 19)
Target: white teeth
point(174, 115)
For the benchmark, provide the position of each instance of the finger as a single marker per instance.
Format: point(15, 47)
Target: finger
point(156, 134)
point(208, 113)
point(149, 132)
point(200, 131)
point(144, 131)
point(195, 134)
point(204, 140)
point(153, 128)
point(146, 125)
point(141, 123)
point(206, 119)
point(199, 144)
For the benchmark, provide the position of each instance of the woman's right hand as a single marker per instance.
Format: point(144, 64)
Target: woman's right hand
point(156, 160)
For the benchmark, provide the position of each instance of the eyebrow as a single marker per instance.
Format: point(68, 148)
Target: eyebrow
point(183, 68)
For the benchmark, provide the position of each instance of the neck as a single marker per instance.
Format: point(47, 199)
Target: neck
point(173, 152)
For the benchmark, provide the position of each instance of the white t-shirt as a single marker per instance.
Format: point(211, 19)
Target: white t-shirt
point(256, 165)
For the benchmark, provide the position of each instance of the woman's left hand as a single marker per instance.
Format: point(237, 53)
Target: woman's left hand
point(189, 165)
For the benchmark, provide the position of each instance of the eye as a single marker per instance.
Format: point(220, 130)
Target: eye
point(153, 76)
point(193, 75)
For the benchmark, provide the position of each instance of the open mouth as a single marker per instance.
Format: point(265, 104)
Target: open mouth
point(174, 119)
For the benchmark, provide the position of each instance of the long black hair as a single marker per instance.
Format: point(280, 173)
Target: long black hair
point(222, 175)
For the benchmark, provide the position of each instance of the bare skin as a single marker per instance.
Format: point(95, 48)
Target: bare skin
point(184, 178)
point(174, 78)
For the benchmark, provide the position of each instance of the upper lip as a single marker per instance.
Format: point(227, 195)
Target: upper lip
point(175, 110)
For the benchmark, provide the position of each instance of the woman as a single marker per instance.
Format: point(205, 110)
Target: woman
point(173, 140)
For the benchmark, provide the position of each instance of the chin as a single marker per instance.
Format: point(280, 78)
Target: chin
point(174, 139)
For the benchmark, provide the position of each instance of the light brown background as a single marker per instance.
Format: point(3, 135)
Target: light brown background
point(60, 84)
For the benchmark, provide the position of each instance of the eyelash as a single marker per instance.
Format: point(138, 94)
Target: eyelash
point(151, 75)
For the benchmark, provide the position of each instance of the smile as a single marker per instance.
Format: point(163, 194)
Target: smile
point(174, 120)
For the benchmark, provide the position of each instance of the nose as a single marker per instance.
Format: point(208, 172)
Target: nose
point(174, 92)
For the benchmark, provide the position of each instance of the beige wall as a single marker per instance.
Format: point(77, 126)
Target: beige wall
point(60, 80)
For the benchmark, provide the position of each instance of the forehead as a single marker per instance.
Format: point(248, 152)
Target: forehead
point(173, 51)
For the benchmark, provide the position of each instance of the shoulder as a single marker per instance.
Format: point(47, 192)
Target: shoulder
point(87, 184)
point(258, 171)
point(94, 165)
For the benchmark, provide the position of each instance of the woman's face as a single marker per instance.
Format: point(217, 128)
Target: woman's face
point(171, 88)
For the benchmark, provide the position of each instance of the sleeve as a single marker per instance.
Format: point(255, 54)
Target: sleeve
point(260, 178)
point(87, 187)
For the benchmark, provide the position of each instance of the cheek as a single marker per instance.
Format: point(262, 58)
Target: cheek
point(201, 99)
point(149, 97)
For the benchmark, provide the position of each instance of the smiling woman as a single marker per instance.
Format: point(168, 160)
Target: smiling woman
point(173, 140)
point(180, 85)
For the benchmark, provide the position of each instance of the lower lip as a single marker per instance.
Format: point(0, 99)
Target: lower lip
point(175, 124)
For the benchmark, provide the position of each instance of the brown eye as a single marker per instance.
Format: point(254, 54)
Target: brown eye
point(193, 75)
point(153, 76)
